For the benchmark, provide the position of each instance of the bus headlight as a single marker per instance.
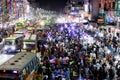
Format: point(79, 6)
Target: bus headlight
point(14, 71)
point(13, 48)
point(24, 46)
point(5, 47)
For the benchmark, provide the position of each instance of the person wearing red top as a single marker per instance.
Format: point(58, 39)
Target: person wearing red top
point(108, 57)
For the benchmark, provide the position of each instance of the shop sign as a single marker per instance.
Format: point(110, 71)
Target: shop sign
point(100, 20)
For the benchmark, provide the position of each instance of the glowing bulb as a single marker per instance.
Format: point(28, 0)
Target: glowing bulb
point(42, 23)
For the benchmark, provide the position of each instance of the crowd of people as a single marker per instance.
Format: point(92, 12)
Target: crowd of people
point(76, 52)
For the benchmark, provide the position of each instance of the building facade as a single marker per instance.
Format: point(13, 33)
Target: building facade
point(11, 9)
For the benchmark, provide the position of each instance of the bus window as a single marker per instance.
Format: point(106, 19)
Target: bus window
point(24, 71)
point(8, 77)
point(21, 39)
point(32, 63)
point(29, 68)
point(35, 60)
point(30, 46)
point(8, 42)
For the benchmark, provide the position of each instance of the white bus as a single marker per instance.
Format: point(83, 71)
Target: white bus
point(30, 43)
point(22, 66)
point(4, 58)
point(13, 43)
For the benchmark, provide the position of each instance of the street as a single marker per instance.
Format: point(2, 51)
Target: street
point(78, 42)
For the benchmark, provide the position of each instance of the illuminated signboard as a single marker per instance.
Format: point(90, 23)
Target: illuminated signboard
point(100, 20)
point(109, 18)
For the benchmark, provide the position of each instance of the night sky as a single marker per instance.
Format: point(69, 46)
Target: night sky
point(55, 5)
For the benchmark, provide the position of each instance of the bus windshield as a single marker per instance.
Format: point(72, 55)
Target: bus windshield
point(8, 42)
point(29, 46)
point(7, 77)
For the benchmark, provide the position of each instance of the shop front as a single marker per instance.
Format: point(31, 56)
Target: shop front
point(110, 18)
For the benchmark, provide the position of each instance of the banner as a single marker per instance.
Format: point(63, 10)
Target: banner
point(7, 4)
point(15, 7)
point(10, 8)
point(110, 18)
point(4, 7)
